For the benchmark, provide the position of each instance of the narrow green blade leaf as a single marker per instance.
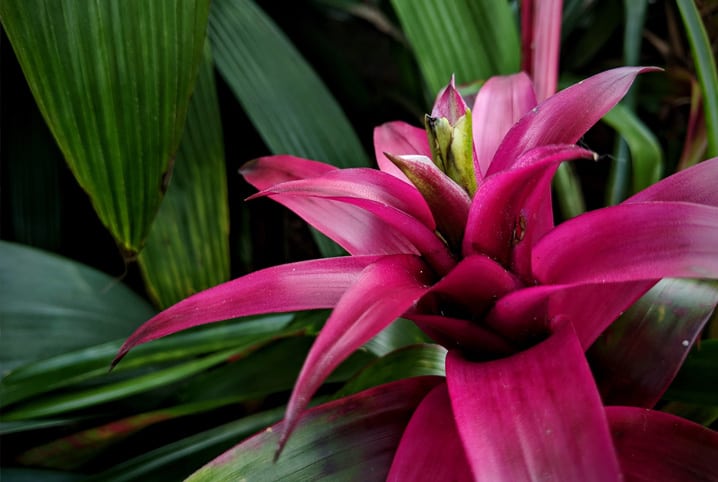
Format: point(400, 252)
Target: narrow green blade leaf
point(92, 363)
point(177, 460)
point(289, 105)
point(60, 403)
point(337, 440)
point(471, 39)
point(568, 190)
point(410, 361)
point(50, 305)
point(646, 152)
point(706, 66)
point(113, 81)
point(188, 248)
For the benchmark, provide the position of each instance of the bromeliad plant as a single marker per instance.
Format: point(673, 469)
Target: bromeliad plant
point(455, 232)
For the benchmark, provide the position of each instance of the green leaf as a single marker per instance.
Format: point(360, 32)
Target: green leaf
point(337, 440)
point(471, 39)
point(287, 102)
point(568, 191)
point(90, 363)
point(702, 414)
point(399, 334)
point(697, 380)
point(50, 305)
point(410, 361)
point(72, 451)
point(706, 65)
point(113, 80)
point(646, 152)
point(188, 248)
point(177, 460)
point(32, 475)
point(63, 402)
point(636, 358)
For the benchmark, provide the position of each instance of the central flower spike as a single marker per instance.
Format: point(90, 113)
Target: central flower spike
point(451, 138)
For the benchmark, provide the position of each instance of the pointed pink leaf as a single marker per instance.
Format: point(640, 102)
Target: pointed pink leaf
point(430, 445)
point(383, 292)
point(298, 286)
point(696, 184)
point(639, 355)
point(512, 209)
point(398, 138)
point(545, 46)
point(448, 201)
point(449, 104)
point(631, 242)
point(656, 446)
point(386, 227)
point(535, 415)
point(361, 183)
point(566, 116)
point(501, 102)
point(268, 171)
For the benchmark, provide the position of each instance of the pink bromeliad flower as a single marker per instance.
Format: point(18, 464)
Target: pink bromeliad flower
point(455, 232)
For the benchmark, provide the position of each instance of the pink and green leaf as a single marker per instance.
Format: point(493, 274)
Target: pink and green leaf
point(638, 356)
point(653, 445)
point(533, 415)
point(339, 439)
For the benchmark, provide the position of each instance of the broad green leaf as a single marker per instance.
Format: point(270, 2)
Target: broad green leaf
point(697, 380)
point(113, 80)
point(50, 305)
point(704, 59)
point(188, 247)
point(338, 440)
point(410, 361)
point(471, 39)
point(637, 357)
point(646, 154)
point(287, 102)
point(177, 460)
